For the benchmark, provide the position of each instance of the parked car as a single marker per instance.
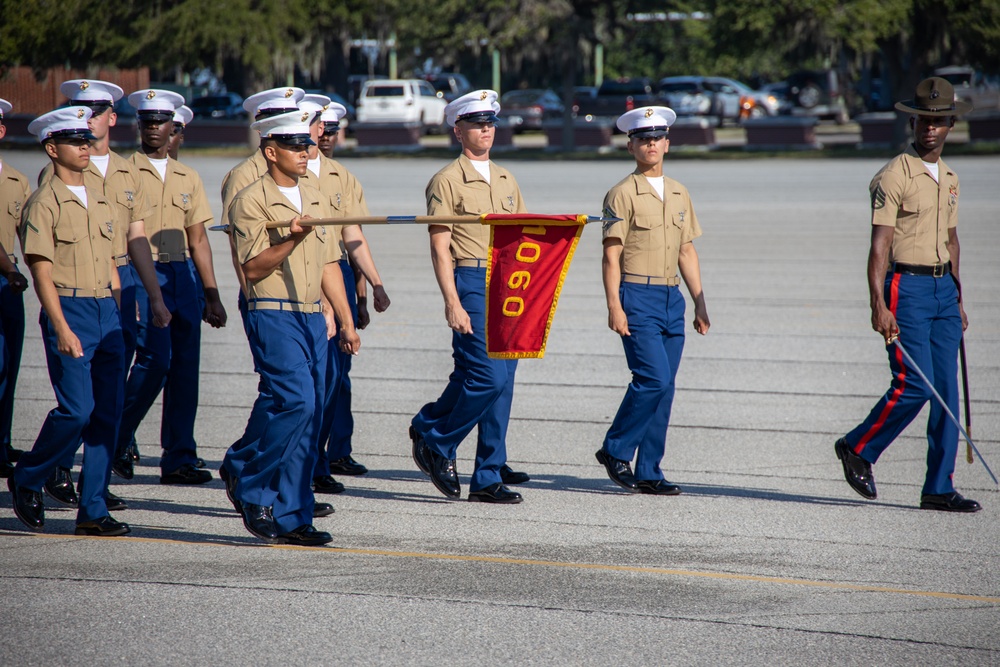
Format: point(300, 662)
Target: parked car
point(528, 109)
point(401, 101)
point(224, 105)
point(971, 86)
point(817, 93)
point(721, 98)
point(582, 93)
point(686, 95)
point(616, 96)
point(450, 85)
point(737, 101)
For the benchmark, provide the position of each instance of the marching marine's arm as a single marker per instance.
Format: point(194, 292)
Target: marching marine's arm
point(690, 268)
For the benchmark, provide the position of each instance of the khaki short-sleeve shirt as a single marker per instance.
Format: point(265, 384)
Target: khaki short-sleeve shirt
point(651, 229)
point(121, 187)
point(239, 177)
point(904, 195)
point(299, 278)
point(341, 191)
point(175, 204)
point(459, 189)
point(78, 240)
point(14, 193)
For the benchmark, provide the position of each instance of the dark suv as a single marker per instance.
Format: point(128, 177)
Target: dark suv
point(224, 105)
point(817, 93)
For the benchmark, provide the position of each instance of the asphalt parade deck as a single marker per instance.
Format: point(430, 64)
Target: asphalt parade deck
point(768, 558)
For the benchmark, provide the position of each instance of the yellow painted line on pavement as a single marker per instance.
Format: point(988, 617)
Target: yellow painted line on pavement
point(724, 576)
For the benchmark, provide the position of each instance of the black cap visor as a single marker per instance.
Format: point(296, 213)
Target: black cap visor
point(66, 136)
point(96, 108)
point(274, 111)
point(479, 117)
point(330, 127)
point(293, 139)
point(649, 132)
point(153, 116)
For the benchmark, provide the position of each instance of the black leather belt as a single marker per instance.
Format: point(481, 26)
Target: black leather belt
point(936, 270)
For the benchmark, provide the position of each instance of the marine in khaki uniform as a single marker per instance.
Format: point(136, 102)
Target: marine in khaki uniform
point(169, 358)
point(345, 198)
point(642, 256)
point(67, 236)
point(480, 389)
point(14, 192)
point(260, 106)
point(290, 271)
point(182, 118)
point(915, 292)
point(119, 180)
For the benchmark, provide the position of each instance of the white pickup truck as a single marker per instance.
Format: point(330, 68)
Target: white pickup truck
point(401, 101)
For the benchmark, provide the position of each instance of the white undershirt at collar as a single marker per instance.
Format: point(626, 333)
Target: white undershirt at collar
point(101, 162)
point(483, 167)
point(293, 195)
point(81, 193)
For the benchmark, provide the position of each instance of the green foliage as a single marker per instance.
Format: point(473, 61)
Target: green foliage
point(268, 40)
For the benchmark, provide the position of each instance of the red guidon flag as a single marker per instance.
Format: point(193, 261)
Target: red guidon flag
point(529, 257)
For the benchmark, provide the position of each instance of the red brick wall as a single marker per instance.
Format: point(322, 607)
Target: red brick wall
point(34, 96)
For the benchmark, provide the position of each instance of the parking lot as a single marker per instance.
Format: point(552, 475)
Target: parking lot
point(768, 558)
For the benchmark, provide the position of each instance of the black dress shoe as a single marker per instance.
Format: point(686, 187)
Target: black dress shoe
point(28, 505)
point(948, 502)
point(495, 493)
point(199, 463)
point(103, 527)
point(327, 484)
point(115, 503)
point(347, 466)
point(306, 536)
point(619, 471)
point(59, 487)
point(420, 452)
point(259, 521)
point(658, 487)
point(230, 483)
point(132, 450)
point(322, 509)
point(6, 470)
point(857, 471)
point(443, 473)
point(186, 474)
point(123, 465)
point(509, 476)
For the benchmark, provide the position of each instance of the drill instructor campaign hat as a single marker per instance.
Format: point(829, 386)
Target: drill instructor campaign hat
point(934, 97)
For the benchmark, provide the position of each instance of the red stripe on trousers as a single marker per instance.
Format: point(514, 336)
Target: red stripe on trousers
point(891, 403)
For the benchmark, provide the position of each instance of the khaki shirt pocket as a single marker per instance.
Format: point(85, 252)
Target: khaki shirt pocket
point(183, 202)
point(336, 202)
point(70, 229)
point(14, 210)
point(647, 233)
point(471, 207)
point(125, 201)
